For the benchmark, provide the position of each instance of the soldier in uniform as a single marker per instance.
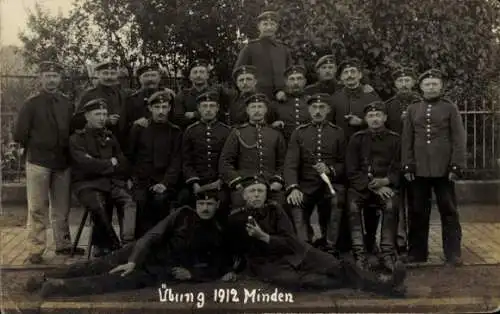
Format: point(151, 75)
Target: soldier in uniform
point(107, 74)
point(188, 246)
point(201, 147)
point(136, 105)
point(253, 148)
point(155, 155)
point(433, 154)
point(42, 130)
point(316, 148)
point(404, 81)
point(186, 106)
point(326, 69)
point(246, 81)
point(348, 104)
point(269, 56)
point(263, 235)
point(373, 169)
point(99, 177)
point(293, 111)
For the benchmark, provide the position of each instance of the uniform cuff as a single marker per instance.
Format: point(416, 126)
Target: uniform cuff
point(192, 180)
point(235, 182)
point(456, 169)
point(291, 187)
point(409, 168)
point(278, 179)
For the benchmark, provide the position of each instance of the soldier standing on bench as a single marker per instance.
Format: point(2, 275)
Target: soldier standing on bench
point(99, 177)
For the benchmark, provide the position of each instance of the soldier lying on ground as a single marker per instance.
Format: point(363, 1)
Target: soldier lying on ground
point(187, 246)
point(263, 234)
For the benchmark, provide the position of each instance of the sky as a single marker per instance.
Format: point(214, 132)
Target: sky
point(14, 15)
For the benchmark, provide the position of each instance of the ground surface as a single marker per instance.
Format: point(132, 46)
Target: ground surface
point(431, 287)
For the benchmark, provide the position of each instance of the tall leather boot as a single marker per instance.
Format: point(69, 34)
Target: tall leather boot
point(388, 255)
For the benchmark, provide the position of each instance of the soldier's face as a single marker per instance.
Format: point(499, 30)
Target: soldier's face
point(256, 111)
point(255, 195)
point(206, 208)
point(351, 76)
point(199, 75)
point(404, 84)
point(327, 71)
point(150, 79)
point(431, 87)
point(96, 119)
point(159, 112)
point(319, 111)
point(375, 119)
point(108, 77)
point(50, 80)
point(246, 82)
point(208, 110)
point(267, 28)
point(295, 82)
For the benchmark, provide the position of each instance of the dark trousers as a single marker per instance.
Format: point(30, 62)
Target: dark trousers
point(151, 208)
point(329, 214)
point(363, 227)
point(100, 204)
point(344, 242)
point(318, 270)
point(406, 206)
point(444, 190)
point(92, 277)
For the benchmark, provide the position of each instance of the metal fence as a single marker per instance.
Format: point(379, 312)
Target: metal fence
point(481, 121)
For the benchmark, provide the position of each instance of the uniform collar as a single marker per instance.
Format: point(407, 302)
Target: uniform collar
point(354, 91)
point(204, 87)
point(209, 123)
point(257, 124)
point(296, 94)
point(320, 124)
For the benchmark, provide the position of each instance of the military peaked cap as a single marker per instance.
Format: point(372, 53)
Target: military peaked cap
point(94, 104)
point(49, 66)
point(244, 69)
point(349, 63)
point(258, 97)
point(269, 15)
point(206, 195)
point(375, 106)
point(327, 59)
point(160, 97)
point(432, 73)
point(318, 98)
point(403, 72)
point(106, 65)
point(147, 68)
point(294, 69)
point(208, 96)
point(245, 182)
point(198, 63)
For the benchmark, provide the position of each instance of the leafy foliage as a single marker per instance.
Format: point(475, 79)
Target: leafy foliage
point(456, 37)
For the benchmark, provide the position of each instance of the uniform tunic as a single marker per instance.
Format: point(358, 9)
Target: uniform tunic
point(91, 152)
point(293, 112)
point(312, 143)
point(155, 153)
point(43, 127)
point(350, 101)
point(433, 138)
point(201, 148)
point(271, 58)
point(377, 153)
point(252, 150)
point(395, 107)
point(327, 86)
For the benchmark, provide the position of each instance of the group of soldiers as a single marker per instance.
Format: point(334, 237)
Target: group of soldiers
point(265, 155)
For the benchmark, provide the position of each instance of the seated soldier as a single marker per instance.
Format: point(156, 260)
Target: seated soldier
point(263, 234)
point(372, 167)
point(188, 245)
point(99, 175)
point(154, 152)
